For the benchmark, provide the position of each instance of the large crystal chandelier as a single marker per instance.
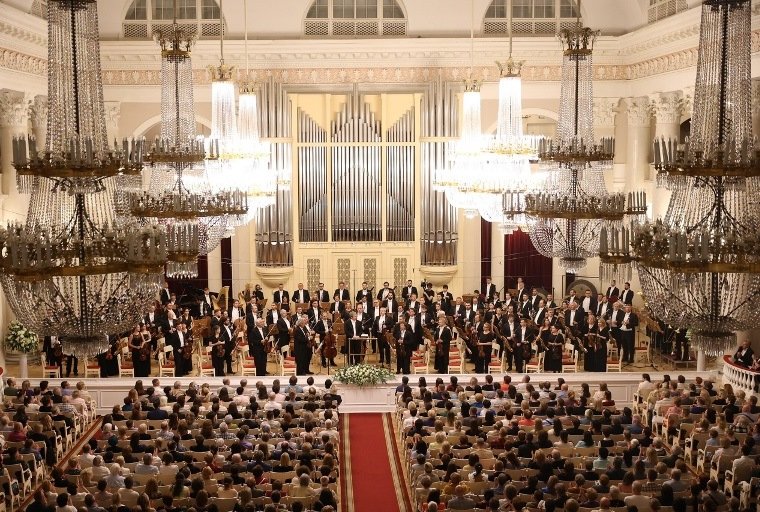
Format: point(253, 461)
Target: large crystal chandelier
point(180, 194)
point(73, 269)
point(510, 178)
point(243, 159)
point(575, 205)
point(699, 267)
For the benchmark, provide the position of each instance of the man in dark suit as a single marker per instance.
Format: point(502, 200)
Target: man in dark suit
point(314, 312)
point(612, 291)
point(353, 329)
point(490, 290)
point(157, 413)
point(525, 306)
point(414, 325)
point(176, 339)
point(364, 293)
point(273, 315)
point(408, 290)
point(405, 344)
point(382, 295)
point(382, 324)
point(628, 333)
point(281, 296)
point(604, 308)
point(447, 299)
point(574, 315)
point(301, 296)
point(235, 312)
point(322, 327)
point(573, 297)
point(322, 294)
point(588, 303)
point(523, 338)
point(510, 331)
point(342, 291)
point(283, 330)
point(413, 303)
point(165, 295)
point(227, 335)
point(615, 321)
point(442, 338)
point(207, 302)
point(256, 346)
point(744, 354)
point(338, 306)
point(626, 296)
point(390, 303)
point(301, 348)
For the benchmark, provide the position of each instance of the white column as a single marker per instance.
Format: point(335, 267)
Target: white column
point(639, 142)
point(38, 114)
point(700, 360)
point(215, 269)
point(13, 122)
point(469, 260)
point(668, 109)
point(497, 256)
point(605, 114)
point(113, 115)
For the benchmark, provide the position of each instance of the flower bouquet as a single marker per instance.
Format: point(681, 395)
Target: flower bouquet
point(20, 339)
point(363, 375)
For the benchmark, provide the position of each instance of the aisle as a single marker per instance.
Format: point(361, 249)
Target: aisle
point(371, 472)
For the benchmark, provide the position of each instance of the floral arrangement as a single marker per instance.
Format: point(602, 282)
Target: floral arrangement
point(363, 375)
point(21, 339)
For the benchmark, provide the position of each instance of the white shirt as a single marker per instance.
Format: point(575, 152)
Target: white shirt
point(624, 327)
point(181, 336)
point(287, 323)
point(235, 314)
point(275, 316)
point(587, 303)
point(605, 307)
point(572, 317)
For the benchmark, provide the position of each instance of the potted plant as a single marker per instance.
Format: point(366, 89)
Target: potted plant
point(21, 340)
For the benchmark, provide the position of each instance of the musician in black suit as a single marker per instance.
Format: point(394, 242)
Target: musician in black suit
point(574, 315)
point(273, 315)
point(176, 339)
point(338, 306)
point(628, 333)
point(390, 303)
point(523, 338)
point(408, 290)
point(603, 307)
point(257, 346)
point(405, 345)
point(442, 337)
point(426, 319)
point(207, 302)
point(588, 303)
point(322, 295)
point(229, 337)
point(539, 313)
point(382, 295)
point(510, 331)
point(414, 324)
point(458, 311)
point(612, 291)
point(301, 348)
point(283, 330)
point(364, 293)
point(382, 324)
point(525, 307)
point(258, 293)
point(165, 295)
point(413, 303)
point(323, 327)
point(626, 296)
point(534, 299)
point(490, 291)
point(281, 297)
point(342, 291)
point(314, 312)
point(573, 297)
point(301, 296)
point(447, 298)
point(615, 321)
point(235, 312)
point(353, 330)
point(217, 351)
point(744, 354)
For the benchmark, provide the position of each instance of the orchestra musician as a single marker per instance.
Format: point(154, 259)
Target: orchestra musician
point(588, 303)
point(281, 297)
point(447, 299)
point(217, 351)
point(520, 288)
point(539, 312)
point(408, 290)
point(235, 312)
point(412, 303)
point(321, 294)
point(364, 293)
point(314, 312)
point(442, 337)
point(525, 307)
point(613, 292)
point(573, 315)
point(615, 320)
point(490, 291)
point(283, 330)
point(324, 327)
point(382, 324)
point(302, 347)
point(590, 333)
point(107, 361)
point(207, 303)
point(390, 302)
point(165, 295)
point(257, 346)
point(338, 306)
point(386, 290)
point(573, 297)
point(510, 331)
point(626, 296)
point(414, 325)
point(604, 309)
point(353, 330)
point(247, 294)
point(508, 301)
point(258, 293)
point(535, 298)
point(252, 313)
point(139, 345)
point(628, 332)
point(550, 301)
point(426, 319)
point(301, 296)
point(482, 348)
point(273, 315)
point(600, 346)
point(523, 350)
point(175, 338)
point(554, 343)
point(405, 345)
point(229, 337)
point(363, 318)
point(342, 291)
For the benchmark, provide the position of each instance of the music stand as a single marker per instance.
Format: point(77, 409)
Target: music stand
point(348, 353)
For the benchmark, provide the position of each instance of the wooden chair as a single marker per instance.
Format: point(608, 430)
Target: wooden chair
point(91, 368)
point(614, 361)
point(166, 367)
point(205, 366)
point(535, 365)
point(287, 363)
point(48, 370)
point(497, 364)
point(569, 359)
point(126, 368)
point(421, 364)
point(247, 365)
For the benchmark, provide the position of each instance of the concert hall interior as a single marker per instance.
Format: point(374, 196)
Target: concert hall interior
point(358, 191)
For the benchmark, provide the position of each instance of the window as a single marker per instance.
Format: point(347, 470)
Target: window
point(660, 9)
point(357, 18)
point(143, 15)
point(529, 17)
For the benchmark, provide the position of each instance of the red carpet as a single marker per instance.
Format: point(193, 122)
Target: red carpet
point(371, 477)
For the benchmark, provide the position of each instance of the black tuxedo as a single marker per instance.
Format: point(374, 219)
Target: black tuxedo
point(626, 296)
point(271, 318)
point(313, 315)
point(628, 335)
point(379, 333)
point(392, 307)
point(301, 296)
point(534, 302)
point(744, 359)
point(442, 351)
point(490, 292)
point(181, 366)
point(342, 294)
point(323, 296)
point(283, 336)
point(207, 305)
point(525, 309)
point(416, 328)
point(240, 311)
point(354, 329)
point(415, 306)
point(256, 341)
point(593, 303)
point(613, 291)
point(538, 317)
point(578, 318)
point(382, 293)
point(458, 312)
point(338, 307)
point(469, 315)
point(448, 300)
point(322, 327)
point(301, 350)
point(405, 345)
point(407, 291)
point(281, 297)
point(427, 321)
point(603, 314)
point(227, 334)
point(363, 293)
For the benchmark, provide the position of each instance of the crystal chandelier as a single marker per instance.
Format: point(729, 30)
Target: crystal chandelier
point(73, 269)
point(243, 159)
point(574, 206)
point(180, 194)
point(699, 266)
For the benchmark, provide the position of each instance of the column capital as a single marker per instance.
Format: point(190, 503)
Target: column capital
point(13, 109)
point(605, 110)
point(639, 111)
point(38, 112)
point(113, 115)
point(668, 107)
point(687, 93)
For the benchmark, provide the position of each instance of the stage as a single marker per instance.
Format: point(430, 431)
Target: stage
point(381, 398)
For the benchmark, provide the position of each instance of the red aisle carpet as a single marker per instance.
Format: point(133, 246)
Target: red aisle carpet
point(371, 476)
